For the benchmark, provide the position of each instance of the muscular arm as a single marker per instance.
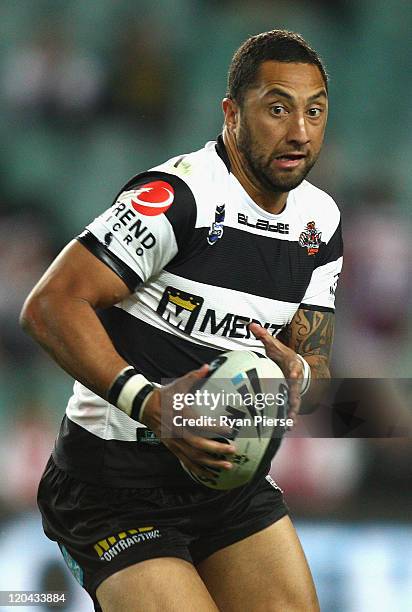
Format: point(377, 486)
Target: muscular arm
point(310, 334)
point(60, 315)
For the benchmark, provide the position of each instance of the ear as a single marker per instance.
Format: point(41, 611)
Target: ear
point(231, 113)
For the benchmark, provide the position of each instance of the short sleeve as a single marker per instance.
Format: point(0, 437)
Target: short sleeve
point(144, 229)
point(320, 294)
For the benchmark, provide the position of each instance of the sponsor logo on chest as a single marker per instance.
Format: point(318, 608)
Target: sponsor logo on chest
point(263, 224)
point(186, 311)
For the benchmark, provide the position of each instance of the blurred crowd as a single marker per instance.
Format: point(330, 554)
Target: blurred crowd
point(96, 92)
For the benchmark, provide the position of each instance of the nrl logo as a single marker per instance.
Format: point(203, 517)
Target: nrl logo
point(216, 229)
point(310, 238)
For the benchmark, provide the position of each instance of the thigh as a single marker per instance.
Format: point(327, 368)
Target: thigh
point(101, 532)
point(265, 572)
point(156, 585)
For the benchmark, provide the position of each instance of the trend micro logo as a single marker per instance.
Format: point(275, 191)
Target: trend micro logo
point(179, 308)
point(111, 546)
point(153, 199)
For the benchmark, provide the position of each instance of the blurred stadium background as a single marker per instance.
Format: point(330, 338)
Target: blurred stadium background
point(93, 91)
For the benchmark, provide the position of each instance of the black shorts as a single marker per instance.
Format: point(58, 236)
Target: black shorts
point(101, 531)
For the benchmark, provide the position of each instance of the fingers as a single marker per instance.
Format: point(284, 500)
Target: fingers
point(202, 471)
point(273, 347)
point(196, 374)
point(199, 454)
point(206, 460)
point(260, 333)
point(190, 443)
point(205, 445)
point(194, 467)
point(186, 383)
point(291, 367)
point(203, 450)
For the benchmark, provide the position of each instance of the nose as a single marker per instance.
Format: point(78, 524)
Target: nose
point(297, 130)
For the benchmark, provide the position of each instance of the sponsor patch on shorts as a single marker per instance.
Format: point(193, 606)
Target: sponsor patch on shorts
point(73, 566)
point(108, 548)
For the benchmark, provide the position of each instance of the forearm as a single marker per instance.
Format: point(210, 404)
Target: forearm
point(71, 332)
point(320, 377)
point(310, 335)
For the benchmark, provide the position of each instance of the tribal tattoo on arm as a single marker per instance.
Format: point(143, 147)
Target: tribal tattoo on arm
point(310, 333)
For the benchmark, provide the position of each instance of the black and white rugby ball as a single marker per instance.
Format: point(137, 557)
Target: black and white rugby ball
point(248, 393)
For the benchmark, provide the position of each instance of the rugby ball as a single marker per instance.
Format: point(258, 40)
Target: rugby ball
point(247, 394)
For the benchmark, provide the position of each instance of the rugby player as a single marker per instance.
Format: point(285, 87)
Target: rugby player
point(225, 248)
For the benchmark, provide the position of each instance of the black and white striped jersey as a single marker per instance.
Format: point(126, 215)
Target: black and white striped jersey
point(201, 260)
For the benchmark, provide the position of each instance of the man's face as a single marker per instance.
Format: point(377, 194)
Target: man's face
point(281, 123)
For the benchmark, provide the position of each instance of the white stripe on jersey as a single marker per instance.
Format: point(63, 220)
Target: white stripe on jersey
point(217, 303)
point(321, 290)
point(100, 418)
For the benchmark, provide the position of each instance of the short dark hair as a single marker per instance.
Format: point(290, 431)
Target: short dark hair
point(277, 45)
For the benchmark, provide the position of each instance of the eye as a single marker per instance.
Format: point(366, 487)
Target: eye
point(315, 112)
point(278, 110)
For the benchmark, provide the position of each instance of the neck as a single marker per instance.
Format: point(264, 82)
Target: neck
point(268, 200)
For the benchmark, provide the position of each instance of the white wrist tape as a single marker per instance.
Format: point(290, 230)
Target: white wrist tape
point(130, 392)
point(143, 405)
point(307, 375)
point(131, 388)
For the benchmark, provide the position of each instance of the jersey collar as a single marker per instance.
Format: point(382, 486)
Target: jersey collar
point(221, 151)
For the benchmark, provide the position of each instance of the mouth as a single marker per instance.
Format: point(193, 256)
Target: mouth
point(289, 160)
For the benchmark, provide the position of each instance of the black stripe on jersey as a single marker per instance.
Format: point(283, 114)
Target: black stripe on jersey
point(246, 262)
point(122, 464)
point(318, 308)
point(115, 463)
point(182, 213)
point(92, 244)
point(221, 151)
point(332, 250)
point(154, 353)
